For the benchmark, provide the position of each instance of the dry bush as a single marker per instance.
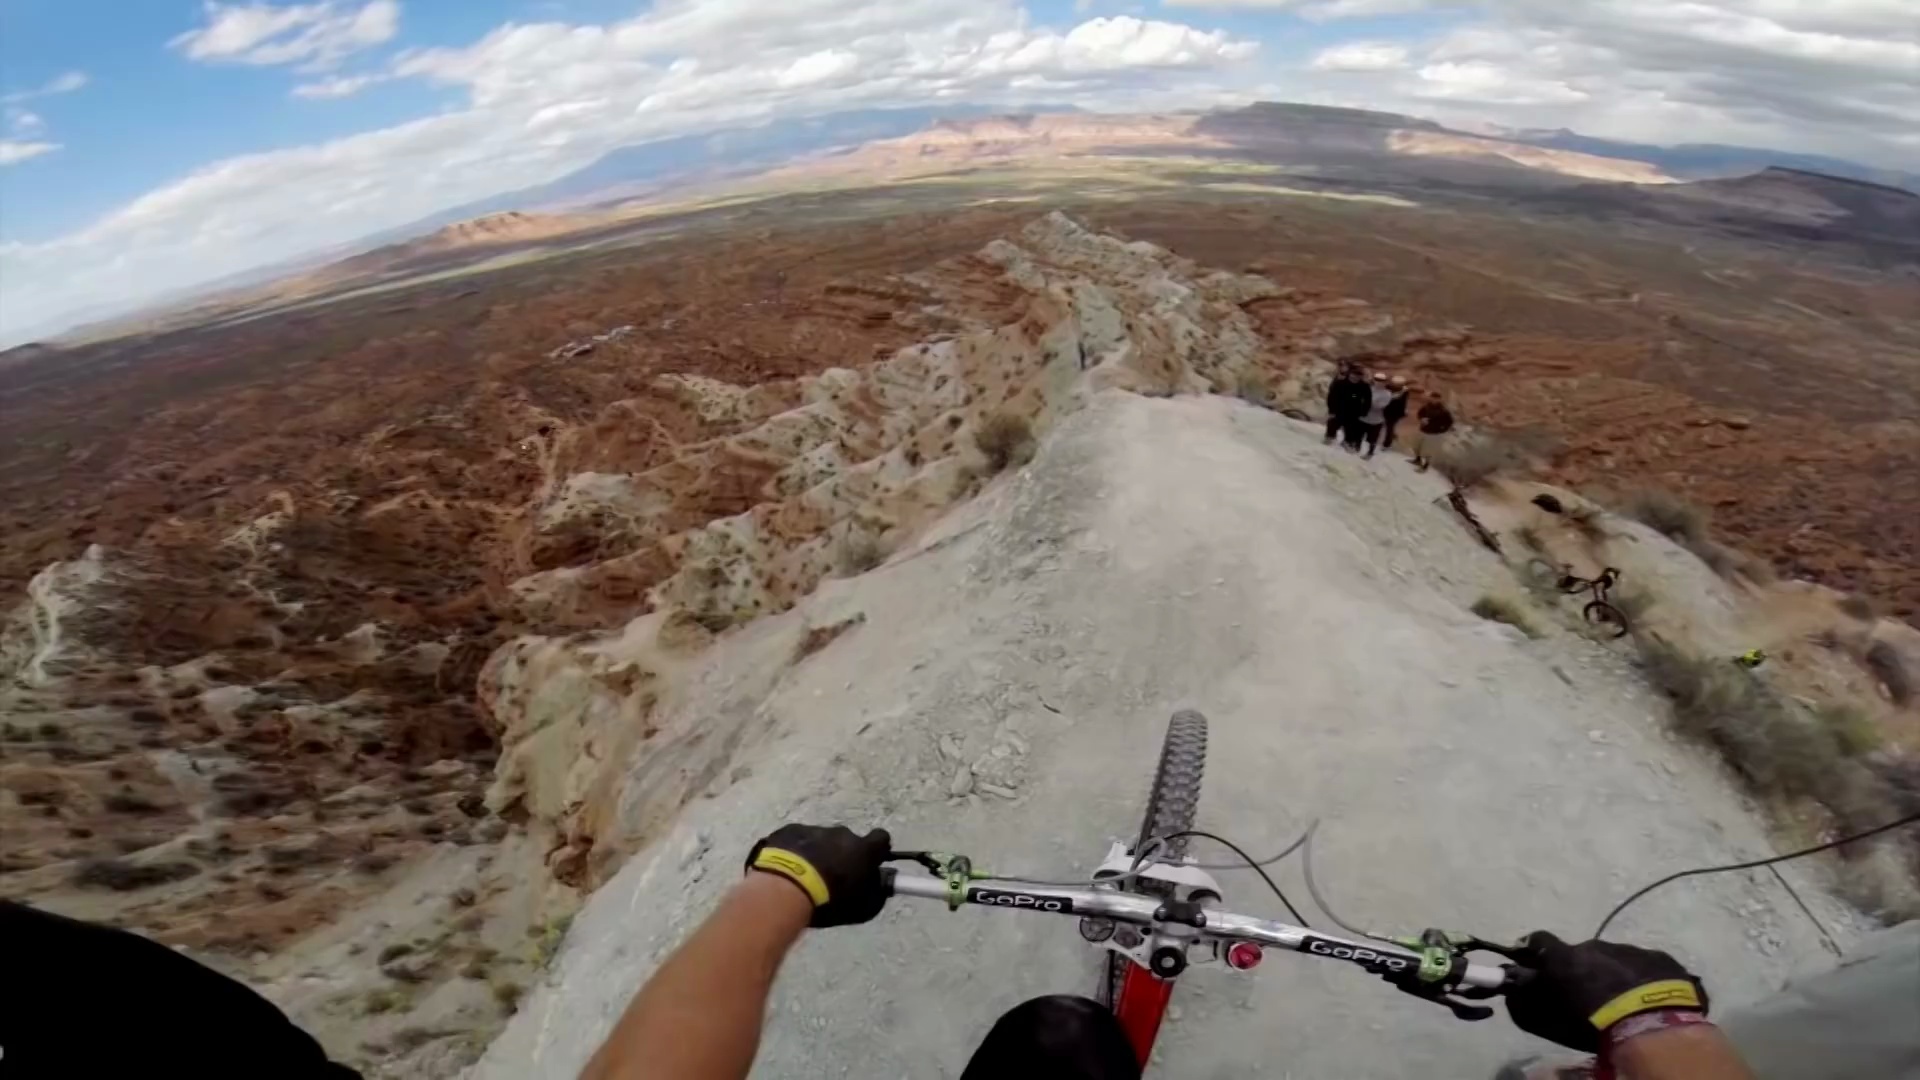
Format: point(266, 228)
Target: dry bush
point(1777, 748)
point(120, 875)
point(1004, 439)
point(1853, 730)
point(1591, 522)
point(1859, 607)
point(857, 553)
point(1666, 513)
point(1891, 669)
point(1254, 388)
point(1502, 610)
point(1467, 462)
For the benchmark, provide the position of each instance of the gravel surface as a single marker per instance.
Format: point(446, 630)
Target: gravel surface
point(1005, 697)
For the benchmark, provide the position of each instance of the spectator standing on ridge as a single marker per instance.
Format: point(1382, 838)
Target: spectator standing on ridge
point(1346, 401)
point(1435, 422)
point(1375, 418)
point(1396, 409)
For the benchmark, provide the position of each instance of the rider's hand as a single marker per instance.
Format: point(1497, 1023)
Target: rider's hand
point(837, 869)
point(1581, 990)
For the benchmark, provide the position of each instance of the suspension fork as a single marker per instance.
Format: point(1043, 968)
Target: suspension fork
point(1141, 1006)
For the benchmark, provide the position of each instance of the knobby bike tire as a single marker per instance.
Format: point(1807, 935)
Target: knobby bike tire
point(1171, 804)
point(1601, 613)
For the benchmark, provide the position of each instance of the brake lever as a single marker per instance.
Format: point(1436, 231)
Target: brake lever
point(934, 865)
point(1464, 1010)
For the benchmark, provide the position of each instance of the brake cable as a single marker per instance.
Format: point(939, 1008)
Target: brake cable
point(1754, 865)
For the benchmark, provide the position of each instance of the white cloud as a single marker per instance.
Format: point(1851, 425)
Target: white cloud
point(24, 122)
point(1362, 56)
point(335, 86)
point(1319, 10)
point(65, 83)
point(12, 152)
point(543, 99)
point(315, 36)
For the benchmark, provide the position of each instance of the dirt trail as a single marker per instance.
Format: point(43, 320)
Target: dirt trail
point(1160, 554)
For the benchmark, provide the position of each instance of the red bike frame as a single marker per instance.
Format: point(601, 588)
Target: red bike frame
point(1141, 1007)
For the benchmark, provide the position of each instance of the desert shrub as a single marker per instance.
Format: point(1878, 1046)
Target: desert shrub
point(507, 993)
point(1004, 439)
point(1859, 607)
point(121, 875)
point(1778, 749)
point(126, 802)
point(1891, 669)
point(1668, 514)
point(1853, 730)
point(385, 1000)
point(1502, 610)
point(1254, 388)
point(858, 552)
point(1591, 521)
point(547, 945)
point(1469, 461)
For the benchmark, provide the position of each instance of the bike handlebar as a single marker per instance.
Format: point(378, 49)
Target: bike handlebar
point(1378, 957)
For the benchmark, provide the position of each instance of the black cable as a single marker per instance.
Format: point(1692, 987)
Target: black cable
point(1261, 870)
point(1756, 864)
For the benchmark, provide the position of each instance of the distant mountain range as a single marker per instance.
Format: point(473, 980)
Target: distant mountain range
point(1710, 161)
point(1351, 145)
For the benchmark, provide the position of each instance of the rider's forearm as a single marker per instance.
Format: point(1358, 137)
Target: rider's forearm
point(699, 1017)
point(1696, 1052)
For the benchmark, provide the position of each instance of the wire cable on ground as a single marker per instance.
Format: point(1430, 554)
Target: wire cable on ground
point(1754, 865)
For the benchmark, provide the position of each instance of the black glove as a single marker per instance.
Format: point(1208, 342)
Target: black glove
point(837, 869)
point(1581, 990)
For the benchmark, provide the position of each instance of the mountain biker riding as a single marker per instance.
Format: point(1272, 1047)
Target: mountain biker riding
point(699, 1016)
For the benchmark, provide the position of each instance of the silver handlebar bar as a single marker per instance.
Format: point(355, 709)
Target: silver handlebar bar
point(1376, 956)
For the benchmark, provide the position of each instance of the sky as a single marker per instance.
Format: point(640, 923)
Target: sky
point(150, 145)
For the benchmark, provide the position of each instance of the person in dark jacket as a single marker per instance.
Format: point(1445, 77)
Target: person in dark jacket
point(1435, 421)
point(1396, 410)
point(1347, 400)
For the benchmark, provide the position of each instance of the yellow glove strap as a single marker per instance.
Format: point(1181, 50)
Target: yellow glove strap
point(1666, 994)
point(794, 869)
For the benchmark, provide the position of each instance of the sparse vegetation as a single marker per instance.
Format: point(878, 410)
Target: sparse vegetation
point(1778, 748)
point(507, 993)
point(1859, 607)
point(1686, 523)
point(395, 951)
point(1529, 538)
point(1591, 521)
point(1853, 730)
point(121, 875)
point(1891, 669)
point(1005, 440)
point(1501, 609)
point(126, 802)
point(1471, 461)
point(547, 945)
point(858, 552)
point(1670, 515)
point(385, 1000)
point(1254, 388)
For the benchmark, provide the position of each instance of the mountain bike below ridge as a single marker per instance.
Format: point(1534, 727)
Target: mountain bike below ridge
point(1600, 611)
